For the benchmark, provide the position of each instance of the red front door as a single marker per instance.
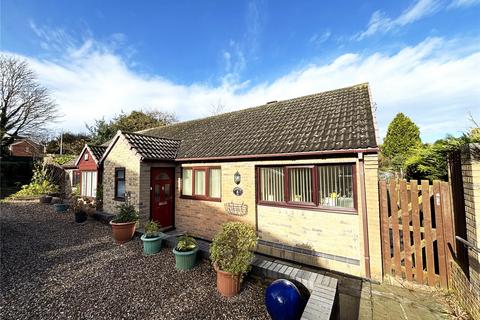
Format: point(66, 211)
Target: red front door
point(162, 195)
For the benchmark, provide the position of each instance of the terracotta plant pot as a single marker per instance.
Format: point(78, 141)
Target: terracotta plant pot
point(123, 231)
point(227, 284)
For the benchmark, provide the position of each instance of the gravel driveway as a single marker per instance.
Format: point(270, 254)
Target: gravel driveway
point(53, 268)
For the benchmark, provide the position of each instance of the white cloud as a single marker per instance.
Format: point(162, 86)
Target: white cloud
point(463, 3)
point(318, 39)
point(433, 82)
point(381, 23)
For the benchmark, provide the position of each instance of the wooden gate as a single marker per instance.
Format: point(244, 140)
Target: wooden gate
point(417, 230)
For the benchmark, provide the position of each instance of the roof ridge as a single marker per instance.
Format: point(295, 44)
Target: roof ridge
point(358, 85)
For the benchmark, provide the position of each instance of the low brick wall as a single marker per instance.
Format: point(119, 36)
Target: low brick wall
point(466, 292)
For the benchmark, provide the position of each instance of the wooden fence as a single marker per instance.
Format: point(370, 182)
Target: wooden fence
point(417, 230)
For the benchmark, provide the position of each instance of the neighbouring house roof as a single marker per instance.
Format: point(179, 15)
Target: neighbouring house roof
point(334, 120)
point(153, 148)
point(96, 152)
point(69, 164)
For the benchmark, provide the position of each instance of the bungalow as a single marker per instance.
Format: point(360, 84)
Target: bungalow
point(302, 171)
point(89, 173)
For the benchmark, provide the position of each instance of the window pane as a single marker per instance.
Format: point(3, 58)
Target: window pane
point(215, 182)
point(187, 182)
point(120, 189)
point(94, 184)
point(120, 173)
point(335, 186)
point(271, 183)
point(200, 182)
point(84, 184)
point(301, 184)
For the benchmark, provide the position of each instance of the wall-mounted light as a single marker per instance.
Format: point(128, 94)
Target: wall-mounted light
point(237, 177)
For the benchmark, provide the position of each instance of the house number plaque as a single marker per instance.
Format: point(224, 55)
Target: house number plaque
point(237, 191)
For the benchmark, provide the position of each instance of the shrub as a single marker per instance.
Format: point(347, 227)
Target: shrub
point(83, 205)
point(186, 243)
point(232, 247)
point(152, 229)
point(126, 213)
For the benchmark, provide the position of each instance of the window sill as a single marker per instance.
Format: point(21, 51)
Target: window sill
point(119, 199)
point(351, 211)
point(201, 198)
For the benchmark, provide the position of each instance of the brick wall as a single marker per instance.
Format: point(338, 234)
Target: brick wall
point(336, 238)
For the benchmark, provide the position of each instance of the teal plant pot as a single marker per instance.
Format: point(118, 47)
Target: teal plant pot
point(185, 260)
point(60, 207)
point(151, 245)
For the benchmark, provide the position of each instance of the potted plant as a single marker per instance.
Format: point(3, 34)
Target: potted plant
point(124, 223)
point(152, 238)
point(185, 252)
point(81, 208)
point(231, 253)
point(60, 207)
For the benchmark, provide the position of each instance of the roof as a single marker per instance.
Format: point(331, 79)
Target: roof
point(146, 146)
point(334, 120)
point(152, 147)
point(70, 164)
point(96, 152)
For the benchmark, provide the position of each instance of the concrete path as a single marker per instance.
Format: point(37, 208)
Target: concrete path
point(364, 300)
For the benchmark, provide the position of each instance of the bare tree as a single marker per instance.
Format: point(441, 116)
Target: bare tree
point(217, 108)
point(26, 107)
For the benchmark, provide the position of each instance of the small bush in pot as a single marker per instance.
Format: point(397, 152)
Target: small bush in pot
point(152, 238)
point(124, 223)
point(82, 207)
point(231, 253)
point(185, 252)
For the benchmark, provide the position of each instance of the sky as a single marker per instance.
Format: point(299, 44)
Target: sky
point(99, 58)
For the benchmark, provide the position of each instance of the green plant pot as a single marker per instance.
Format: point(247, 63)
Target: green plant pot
point(60, 207)
point(151, 245)
point(185, 260)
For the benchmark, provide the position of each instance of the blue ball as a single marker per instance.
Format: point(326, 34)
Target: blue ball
point(284, 301)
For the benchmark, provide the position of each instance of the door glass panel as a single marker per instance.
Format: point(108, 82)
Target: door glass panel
point(157, 192)
point(167, 190)
point(162, 176)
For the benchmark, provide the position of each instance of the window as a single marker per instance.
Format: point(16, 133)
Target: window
point(187, 182)
point(201, 183)
point(89, 183)
point(272, 184)
point(335, 186)
point(85, 156)
point(120, 183)
point(215, 180)
point(300, 185)
point(320, 186)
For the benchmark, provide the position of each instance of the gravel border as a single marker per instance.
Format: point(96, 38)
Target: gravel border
point(52, 267)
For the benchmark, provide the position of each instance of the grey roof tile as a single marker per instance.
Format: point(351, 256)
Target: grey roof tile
point(152, 147)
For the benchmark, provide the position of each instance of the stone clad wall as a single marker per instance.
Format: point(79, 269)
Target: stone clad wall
point(468, 290)
point(337, 238)
point(120, 156)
